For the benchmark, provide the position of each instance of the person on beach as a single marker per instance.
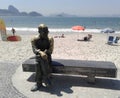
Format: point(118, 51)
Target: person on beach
point(88, 37)
point(42, 46)
point(62, 36)
point(13, 31)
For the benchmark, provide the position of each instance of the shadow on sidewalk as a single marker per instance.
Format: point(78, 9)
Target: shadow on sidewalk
point(61, 83)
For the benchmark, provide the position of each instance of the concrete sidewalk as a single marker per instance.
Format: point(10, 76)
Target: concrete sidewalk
point(7, 90)
point(67, 86)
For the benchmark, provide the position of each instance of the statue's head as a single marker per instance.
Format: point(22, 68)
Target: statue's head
point(43, 30)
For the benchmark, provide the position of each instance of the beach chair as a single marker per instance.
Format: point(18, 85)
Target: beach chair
point(110, 39)
point(116, 39)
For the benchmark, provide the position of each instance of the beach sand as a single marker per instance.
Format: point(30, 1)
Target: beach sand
point(67, 48)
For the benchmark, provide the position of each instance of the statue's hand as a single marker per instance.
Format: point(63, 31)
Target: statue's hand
point(36, 51)
point(43, 55)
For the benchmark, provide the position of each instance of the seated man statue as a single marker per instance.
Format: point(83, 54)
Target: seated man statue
point(42, 46)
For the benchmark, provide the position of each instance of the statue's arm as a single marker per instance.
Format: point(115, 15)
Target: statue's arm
point(50, 50)
point(35, 50)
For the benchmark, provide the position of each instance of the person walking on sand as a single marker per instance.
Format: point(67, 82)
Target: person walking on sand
point(42, 46)
point(13, 31)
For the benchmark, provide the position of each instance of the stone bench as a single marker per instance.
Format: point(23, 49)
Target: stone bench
point(77, 67)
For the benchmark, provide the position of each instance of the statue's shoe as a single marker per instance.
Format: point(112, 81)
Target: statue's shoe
point(36, 87)
point(46, 83)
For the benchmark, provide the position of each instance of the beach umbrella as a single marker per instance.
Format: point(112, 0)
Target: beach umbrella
point(107, 30)
point(78, 28)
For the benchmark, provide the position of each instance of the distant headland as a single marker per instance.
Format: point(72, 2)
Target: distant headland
point(12, 11)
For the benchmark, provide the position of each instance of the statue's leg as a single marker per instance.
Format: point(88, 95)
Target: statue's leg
point(38, 70)
point(50, 63)
point(38, 76)
point(45, 67)
point(46, 72)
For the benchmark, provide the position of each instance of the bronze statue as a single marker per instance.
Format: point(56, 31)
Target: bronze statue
point(42, 46)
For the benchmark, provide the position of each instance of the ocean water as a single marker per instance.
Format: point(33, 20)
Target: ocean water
point(62, 24)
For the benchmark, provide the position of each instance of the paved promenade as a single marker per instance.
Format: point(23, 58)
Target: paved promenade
point(7, 90)
point(14, 83)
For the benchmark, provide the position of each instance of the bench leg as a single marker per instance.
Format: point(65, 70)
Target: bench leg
point(91, 79)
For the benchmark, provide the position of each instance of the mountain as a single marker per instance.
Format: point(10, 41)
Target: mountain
point(12, 11)
point(63, 15)
point(33, 13)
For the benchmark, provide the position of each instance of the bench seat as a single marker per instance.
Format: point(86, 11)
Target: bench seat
point(77, 67)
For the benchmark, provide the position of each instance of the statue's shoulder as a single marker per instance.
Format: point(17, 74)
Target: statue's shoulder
point(50, 38)
point(34, 38)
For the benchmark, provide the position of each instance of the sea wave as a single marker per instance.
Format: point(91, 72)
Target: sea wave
point(57, 30)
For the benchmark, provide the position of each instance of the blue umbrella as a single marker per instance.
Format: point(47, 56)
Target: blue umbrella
point(107, 30)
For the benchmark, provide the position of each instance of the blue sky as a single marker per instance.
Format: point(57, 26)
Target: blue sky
point(76, 7)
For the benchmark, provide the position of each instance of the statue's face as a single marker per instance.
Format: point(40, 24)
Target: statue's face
point(43, 30)
point(43, 34)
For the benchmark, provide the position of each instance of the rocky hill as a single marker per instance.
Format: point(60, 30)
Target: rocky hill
point(12, 11)
point(63, 15)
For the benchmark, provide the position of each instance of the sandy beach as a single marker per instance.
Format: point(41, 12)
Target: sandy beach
point(67, 48)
